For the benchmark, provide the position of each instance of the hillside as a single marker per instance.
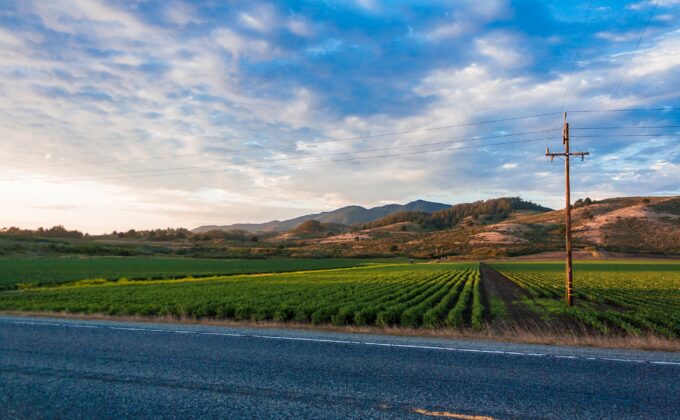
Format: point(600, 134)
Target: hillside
point(646, 225)
point(349, 215)
point(511, 227)
point(493, 209)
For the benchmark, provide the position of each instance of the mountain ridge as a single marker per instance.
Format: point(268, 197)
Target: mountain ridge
point(347, 215)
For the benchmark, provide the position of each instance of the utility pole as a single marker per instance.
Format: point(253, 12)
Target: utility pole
point(567, 209)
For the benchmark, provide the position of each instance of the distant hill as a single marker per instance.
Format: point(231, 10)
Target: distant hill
point(315, 227)
point(350, 215)
point(493, 209)
point(636, 225)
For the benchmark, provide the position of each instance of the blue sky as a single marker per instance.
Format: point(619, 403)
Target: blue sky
point(138, 114)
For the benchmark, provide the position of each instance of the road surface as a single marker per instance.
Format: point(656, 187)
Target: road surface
point(57, 368)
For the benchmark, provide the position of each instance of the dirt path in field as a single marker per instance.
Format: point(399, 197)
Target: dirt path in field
point(496, 285)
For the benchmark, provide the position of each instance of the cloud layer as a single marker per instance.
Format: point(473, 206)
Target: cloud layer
point(137, 114)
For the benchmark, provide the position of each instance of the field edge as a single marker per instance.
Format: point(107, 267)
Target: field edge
point(511, 334)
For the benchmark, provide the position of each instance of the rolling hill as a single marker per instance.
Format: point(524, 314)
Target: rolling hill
point(509, 227)
point(349, 215)
point(492, 209)
point(639, 225)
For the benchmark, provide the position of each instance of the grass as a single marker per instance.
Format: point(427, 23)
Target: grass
point(22, 272)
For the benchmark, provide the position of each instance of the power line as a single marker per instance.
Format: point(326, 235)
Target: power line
point(578, 49)
point(626, 135)
point(581, 111)
point(626, 127)
point(311, 142)
point(637, 46)
point(632, 57)
point(458, 140)
point(482, 146)
point(330, 141)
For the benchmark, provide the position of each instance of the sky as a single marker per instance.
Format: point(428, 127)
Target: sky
point(148, 114)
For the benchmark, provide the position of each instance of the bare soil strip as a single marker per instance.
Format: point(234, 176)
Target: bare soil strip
point(496, 285)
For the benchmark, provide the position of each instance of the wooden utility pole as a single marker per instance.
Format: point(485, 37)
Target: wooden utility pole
point(567, 209)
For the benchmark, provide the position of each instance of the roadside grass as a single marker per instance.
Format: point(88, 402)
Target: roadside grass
point(525, 334)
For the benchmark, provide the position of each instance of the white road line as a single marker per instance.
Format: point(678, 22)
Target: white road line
point(219, 334)
point(352, 342)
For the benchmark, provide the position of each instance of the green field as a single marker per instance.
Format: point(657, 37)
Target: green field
point(407, 295)
point(612, 297)
point(54, 270)
point(630, 296)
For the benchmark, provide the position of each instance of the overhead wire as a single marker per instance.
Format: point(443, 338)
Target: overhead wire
point(169, 171)
point(458, 140)
point(310, 142)
point(635, 50)
point(356, 158)
point(306, 142)
point(576, 53)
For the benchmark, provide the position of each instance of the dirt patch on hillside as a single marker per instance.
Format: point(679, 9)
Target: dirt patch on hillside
point(593, 230)
point(344, 238)
point(495, 238)
point(510, 227)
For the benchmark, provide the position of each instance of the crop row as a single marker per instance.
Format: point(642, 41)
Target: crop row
point(421, 295)
point(628, 297)
point(15, 272)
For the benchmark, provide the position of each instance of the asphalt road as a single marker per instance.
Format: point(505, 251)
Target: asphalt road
point(55, 368)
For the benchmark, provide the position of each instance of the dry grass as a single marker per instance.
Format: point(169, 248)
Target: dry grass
point(528, 334)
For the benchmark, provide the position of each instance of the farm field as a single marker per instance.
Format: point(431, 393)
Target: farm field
point(55, 270)
point(610, 296)
point(418, 295)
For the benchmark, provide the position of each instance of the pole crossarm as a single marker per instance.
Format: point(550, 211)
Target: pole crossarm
point(554, 155)
point(564, 154)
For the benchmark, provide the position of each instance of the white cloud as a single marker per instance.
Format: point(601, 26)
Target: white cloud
point(661, 57)
point(665, 168)
point(504, 49)
point(9, 40)
point(447, 31)
point(370, 5)
point(181, 13)
point(512, 165)
point(240, 45)
point(253, 22)
point(299, 26)
point(618, 36)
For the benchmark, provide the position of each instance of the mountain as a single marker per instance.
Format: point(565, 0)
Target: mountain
point(349, 215)
point(493, 209)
